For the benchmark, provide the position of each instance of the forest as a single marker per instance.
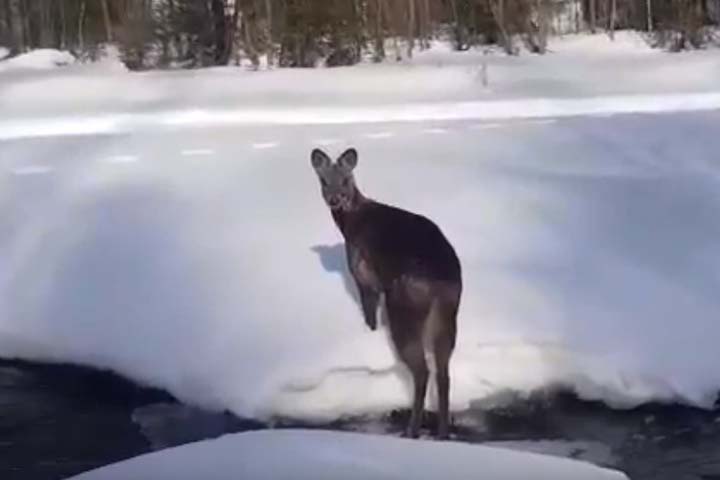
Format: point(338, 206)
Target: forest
point(154, 34)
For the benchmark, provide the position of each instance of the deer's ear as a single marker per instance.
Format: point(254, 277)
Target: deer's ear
point(319, 159)
point(348, 160)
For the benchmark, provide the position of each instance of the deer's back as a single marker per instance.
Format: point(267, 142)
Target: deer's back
point(396, 242)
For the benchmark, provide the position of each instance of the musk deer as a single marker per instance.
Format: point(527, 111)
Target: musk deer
point(406, 260)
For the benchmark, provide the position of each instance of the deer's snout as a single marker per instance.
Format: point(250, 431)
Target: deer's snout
point(334, 201)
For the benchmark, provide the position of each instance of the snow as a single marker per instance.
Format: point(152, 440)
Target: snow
point(109, 62)
point(4, 52)
point(298, 454)
point(203, 261)
point(578, 67)
point(41, 59)
point(536, 108)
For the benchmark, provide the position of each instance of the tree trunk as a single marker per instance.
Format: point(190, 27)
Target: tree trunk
point(593, 8)
point(106, 21)
point(359, 26)
point(28, 39)
point(578, 16)
point(379, 54)
point(269, 33)
point(411, 28)
point(459, 37)
point(5, 30)
point(248, 22)
point(63, 26)
point(543, 15)
point(648, 5)
point(45, 25)
point(613, 18)
point(221, 52)
point(497, 8)
point(81, 26)
point(16, 27)
point(426, 23)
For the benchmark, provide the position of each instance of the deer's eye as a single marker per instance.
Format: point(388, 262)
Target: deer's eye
point(346, 182)
point(323, 182)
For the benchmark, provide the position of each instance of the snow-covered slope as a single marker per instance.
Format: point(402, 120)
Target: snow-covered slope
point(204, 261)
point(318, 455)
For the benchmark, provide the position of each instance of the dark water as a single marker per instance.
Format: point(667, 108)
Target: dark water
point(57, 421)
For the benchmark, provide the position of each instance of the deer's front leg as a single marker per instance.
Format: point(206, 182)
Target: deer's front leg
point(364, 279)
point(369, 299)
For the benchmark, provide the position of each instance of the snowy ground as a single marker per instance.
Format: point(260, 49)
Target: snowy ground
point(297, 454)
point(191, 260)
point(577, 67)
point(202, 260)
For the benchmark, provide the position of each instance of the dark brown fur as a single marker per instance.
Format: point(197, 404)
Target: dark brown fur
point(405, 258)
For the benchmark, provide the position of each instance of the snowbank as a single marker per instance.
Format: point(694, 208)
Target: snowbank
point(4, 52)
point(41, 59)
point(318, 455)
point(204, 261)
point(577, 67)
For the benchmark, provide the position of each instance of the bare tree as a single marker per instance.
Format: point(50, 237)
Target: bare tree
point(379, 32)
point(269, 35)
point(612, 19)
point(411, 28)
point(221, 33)
point(497, 8)
point(63, 26)
point(81, 25)
point(16, 26)
point(106, 21)
point(425, 24)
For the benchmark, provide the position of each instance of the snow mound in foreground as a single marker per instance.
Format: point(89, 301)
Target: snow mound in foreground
point(4, 52)
point(42, 59)
point(298, 454)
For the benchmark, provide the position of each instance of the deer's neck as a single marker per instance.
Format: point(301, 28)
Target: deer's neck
point(343, 216)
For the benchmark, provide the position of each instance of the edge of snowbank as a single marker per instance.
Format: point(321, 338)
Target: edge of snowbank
point(443, 111)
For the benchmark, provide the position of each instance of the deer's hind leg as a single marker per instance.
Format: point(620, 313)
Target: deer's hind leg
point(406, 319)
point(443, 344)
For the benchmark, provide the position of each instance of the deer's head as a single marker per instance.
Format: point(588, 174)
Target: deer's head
point(336, 179)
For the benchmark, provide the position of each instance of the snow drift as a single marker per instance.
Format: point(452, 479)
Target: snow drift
point(589, 251)
point(318, 455)
point(41, 59)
